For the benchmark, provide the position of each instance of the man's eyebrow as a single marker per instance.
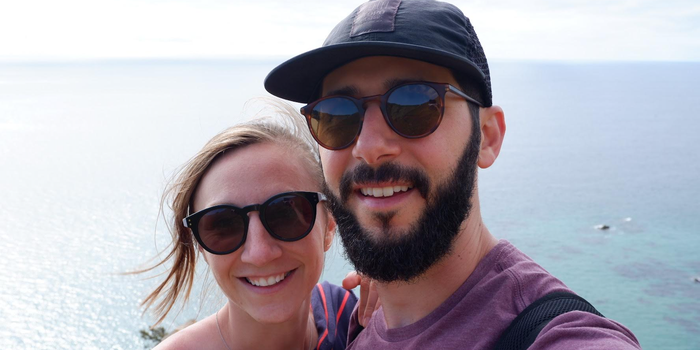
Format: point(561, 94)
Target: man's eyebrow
point(349, 90)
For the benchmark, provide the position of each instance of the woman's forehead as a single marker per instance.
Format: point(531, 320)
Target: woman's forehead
point(252, 174)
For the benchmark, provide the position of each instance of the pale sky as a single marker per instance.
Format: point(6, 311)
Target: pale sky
point(648, 30)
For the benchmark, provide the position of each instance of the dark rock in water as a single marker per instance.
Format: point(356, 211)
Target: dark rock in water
point(602, 227)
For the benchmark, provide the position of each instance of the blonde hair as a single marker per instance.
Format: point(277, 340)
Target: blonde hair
point(287, 129)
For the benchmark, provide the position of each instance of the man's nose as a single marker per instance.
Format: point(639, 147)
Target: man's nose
point(377, 142)
point(260, 247)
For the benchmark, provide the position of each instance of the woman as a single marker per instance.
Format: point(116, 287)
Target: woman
point(249, 203)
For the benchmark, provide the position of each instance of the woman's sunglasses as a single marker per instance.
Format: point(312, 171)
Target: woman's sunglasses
point(412, 110)
point(222, 229)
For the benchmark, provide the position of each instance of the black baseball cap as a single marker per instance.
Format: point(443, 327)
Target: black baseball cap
point(426, 30)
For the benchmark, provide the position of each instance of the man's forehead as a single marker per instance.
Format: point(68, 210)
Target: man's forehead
point(349, 88)
point(379, 74)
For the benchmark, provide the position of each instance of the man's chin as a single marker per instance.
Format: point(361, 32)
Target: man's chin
point(386, 227)
point(380, 235)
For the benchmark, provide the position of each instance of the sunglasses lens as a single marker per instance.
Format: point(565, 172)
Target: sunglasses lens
point(335, 122)
point(289, 217)
point(414, 110)
point(221, 230)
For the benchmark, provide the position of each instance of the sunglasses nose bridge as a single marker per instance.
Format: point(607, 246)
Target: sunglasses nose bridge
point(245, 211)
point(368, 101)
point(364, 102)
point(249, 208)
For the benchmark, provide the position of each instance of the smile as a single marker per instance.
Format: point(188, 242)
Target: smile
point(267, 281)
point(387, 191)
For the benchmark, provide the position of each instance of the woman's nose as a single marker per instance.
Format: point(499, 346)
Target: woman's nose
point(260, 247)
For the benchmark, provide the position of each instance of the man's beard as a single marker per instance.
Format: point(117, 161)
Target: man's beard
point(403, 256)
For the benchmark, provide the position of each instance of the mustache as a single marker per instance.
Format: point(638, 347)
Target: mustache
point(386, 172)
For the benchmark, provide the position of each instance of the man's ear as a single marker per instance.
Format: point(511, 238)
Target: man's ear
point(493, 129)
point(329, 234)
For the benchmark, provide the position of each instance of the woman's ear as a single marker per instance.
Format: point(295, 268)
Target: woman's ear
point(329, 233)
point(201, 251)
point(493, 129)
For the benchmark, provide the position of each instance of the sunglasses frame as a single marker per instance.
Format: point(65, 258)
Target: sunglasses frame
point(192, 221)
point(360, 103)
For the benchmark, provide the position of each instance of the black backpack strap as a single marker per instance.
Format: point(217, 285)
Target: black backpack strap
point(524, 329)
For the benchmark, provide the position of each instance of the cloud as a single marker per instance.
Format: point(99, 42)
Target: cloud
point(536, 29)
point(585, 30)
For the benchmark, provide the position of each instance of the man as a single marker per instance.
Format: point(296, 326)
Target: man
point(399, 99)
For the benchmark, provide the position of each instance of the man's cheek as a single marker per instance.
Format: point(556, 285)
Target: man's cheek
point(332, 172)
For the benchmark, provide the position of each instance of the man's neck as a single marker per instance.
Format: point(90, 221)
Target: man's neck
point(405, 303)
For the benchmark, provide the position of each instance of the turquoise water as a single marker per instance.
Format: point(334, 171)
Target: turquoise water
point(86, 149)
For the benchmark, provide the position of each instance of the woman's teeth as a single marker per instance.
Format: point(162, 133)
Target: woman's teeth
point(266, 282)
point(383, 191)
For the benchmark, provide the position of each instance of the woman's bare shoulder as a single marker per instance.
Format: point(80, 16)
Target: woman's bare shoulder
point(199, 335)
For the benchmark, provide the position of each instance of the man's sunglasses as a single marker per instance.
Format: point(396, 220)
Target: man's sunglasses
point(222, 229)
point(412, 110)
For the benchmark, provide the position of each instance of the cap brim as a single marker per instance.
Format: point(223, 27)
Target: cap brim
point(299, 78)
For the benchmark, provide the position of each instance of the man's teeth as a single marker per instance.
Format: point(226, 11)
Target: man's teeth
point(383, 191)
point(266, 282)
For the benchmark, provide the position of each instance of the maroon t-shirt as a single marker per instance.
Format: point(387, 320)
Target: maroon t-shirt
point(504, 283)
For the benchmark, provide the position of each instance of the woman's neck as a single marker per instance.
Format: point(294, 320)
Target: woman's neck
point(240, 331)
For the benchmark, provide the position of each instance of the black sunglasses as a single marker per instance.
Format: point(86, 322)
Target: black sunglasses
point(287, 216)
point(412, 110)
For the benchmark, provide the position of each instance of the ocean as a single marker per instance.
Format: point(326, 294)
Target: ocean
point(86, 149)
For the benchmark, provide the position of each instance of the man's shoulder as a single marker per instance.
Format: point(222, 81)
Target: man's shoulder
point(510, 276)
point(509, 257)
point(574, 329)
point(528, 282)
